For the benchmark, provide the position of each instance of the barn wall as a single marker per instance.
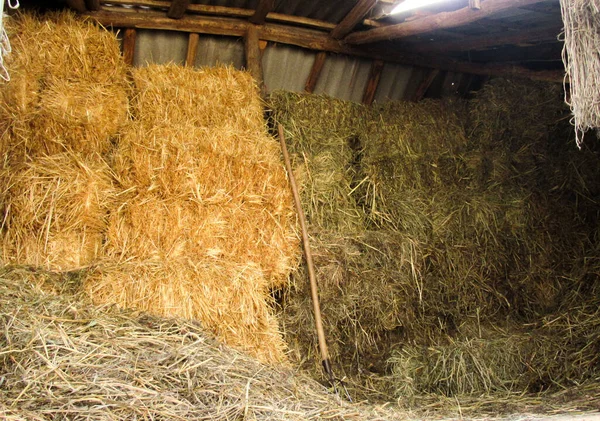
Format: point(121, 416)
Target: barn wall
point(286, 67)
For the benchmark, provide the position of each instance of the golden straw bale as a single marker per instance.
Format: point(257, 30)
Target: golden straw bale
point(79, 116)
point(55, 211)
point(208, 97)
point(68, 87)
point(229, 300)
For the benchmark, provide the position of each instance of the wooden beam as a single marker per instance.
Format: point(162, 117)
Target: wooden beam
point(192, 49)
point(425, 84)
point(358, 12)
point(304, 38)
point(253, 55)
point(236, 12)
point(92, 4)
point(481, 43)
point(264, 7)
point(436, 21)
point(129, 45)
point(78, 5)
point(178, 8)
point(372, 82)
point(315, 72)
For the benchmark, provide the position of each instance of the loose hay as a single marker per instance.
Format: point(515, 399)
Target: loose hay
point(581, 35)
point(62, 358)
point(55, 211)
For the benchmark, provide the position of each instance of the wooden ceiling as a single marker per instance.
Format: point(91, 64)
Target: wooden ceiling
point(481, 37)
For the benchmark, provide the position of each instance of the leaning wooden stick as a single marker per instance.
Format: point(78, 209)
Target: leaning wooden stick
point(309, 262)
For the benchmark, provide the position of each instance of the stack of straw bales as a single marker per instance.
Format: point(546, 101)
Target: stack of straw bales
point(60, 112)
point(206, 227)
point(475, 220)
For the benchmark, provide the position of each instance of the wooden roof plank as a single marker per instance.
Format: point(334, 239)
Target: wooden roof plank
point(358, 12)
point(260, 14)
point(437, 21)
point(305, 38)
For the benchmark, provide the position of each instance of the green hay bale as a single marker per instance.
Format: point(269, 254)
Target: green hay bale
point(369, 291)
point(322, 136)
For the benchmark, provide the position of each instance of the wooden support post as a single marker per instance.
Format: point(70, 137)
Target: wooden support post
point(253, 56)
point(129, 45)
point(436, 21)
point(178, 8)
point(425, 84)
point(352, 19)
point(263, 8)
point(78, 5)
point(315, 72)
point(192, 49)
point(92, 4)
point(373, 82)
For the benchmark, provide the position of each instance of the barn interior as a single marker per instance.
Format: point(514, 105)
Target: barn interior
point(429, 249)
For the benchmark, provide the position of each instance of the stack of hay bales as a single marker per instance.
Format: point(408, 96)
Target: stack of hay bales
point(487, 213)
point(66, 101)
point(207, 226)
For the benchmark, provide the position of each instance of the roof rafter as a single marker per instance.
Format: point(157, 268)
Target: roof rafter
point(358, 12)
point(436, 21)
point(305, 38)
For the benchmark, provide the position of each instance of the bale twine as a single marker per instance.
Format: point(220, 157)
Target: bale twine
point(55, 211)
point(581, 20)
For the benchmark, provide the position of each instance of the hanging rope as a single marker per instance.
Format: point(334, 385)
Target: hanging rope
point(581, 20)
point(4, 41)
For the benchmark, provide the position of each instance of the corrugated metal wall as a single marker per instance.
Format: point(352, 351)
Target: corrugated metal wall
point(285, 67)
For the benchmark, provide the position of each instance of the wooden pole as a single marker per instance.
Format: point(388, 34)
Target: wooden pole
point(262, 10)
point(129, 45)
point(192, 49)
point(253, 55)
point(178, 8)
point(309, 261)
point(373, 82)
point(352, 19)
point(315, 72)
point(425, 84)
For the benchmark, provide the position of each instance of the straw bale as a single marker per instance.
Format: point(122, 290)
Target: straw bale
point(55, 211)
point(230, 300)
point(122, 365)
point(68, 88)
point(323, 136)
point(215, 97)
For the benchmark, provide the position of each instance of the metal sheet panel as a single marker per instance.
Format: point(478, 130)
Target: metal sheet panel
point(286, 67)
point(393, 82)
point(214, 51)
point(159, 47)
point(344, 77)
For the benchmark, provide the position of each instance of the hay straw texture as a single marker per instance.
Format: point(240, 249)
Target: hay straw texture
point(322, 134)
point(55, 211)
point(206, 221)
point(581, 20)
point(62, 358)
point(68, 88)
point(473, 214)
